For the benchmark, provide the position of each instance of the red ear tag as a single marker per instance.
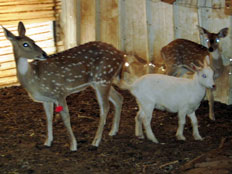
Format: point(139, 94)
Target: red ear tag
point(59, 108)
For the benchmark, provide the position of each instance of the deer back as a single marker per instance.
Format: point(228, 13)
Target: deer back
point(184, 52)
point(76, 68)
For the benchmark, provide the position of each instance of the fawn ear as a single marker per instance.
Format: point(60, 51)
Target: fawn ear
point(21, 29)
point(202, 30)
point(8, 34)
point(223, 32)
point(195, 68)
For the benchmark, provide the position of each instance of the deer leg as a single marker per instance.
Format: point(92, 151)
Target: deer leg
point(211, 104)
point(66, 119)
point(102, 93)
point(196, 134)
point(138, 126)
point(117, 101)
point(48, 107)
point(146, 116)
point(181, 123)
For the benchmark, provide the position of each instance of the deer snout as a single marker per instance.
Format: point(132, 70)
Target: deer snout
point(43, 56)
point(211, 49)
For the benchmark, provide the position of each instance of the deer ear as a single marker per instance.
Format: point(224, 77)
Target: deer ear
point(223, 32)
point(195, 67)
point(21, 29)
point(8, 34)
point(202, 30)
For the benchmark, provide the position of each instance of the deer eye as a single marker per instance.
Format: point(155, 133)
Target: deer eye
point(204, 75)
point(217, 40)
point(25, 45)
point(207, 40)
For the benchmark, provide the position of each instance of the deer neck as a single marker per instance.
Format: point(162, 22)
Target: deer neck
point(217, 63)
point(24, 70)
point(216, 55)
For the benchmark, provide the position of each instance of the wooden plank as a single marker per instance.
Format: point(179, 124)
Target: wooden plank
point(9, 17)
point(228, 7)
point(7, 65)
point(24, 8)
point(8, 73)
point(135, 30)
point(69, 22)
point(6, 57)
point(8, 81)
point(186, 21)
point(22, 2)
point(160, 28)
point(88, 16)
point(14, 83)
point(169, 1)
point(110, 22)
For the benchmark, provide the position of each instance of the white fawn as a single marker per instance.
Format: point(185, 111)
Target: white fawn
point(51, 79)
point(185, 52)
point(173, 94)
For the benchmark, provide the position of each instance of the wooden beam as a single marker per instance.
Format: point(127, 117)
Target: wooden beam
point(169, 1)
point(228, 7)
point(69, 22)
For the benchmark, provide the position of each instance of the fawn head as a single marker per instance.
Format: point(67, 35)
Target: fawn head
point(213, 39)
point(204, 73)
point(23, 46)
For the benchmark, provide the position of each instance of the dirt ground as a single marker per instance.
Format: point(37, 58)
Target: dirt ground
point(23, 130)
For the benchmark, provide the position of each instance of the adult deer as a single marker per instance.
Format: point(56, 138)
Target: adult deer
point(185, 52)
point(51, 79)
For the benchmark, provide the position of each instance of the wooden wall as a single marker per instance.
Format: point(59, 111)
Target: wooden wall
point(143, 27)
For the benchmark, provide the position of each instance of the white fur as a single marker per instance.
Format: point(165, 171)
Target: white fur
point(176, 95)
point(22, 65)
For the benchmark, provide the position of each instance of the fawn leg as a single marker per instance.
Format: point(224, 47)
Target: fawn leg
point(48, 107)
point(196, 134)
point(66, 119)
point(102, 92)
point(211, 104)
point(138, 125)
point(146, 116)
point(181, 123)
point(117, 101)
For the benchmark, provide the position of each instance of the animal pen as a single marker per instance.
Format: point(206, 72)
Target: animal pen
point(142, 31)
point(136, 27)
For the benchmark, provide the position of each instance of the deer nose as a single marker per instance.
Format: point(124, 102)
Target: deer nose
point(210, 49)
point(214, 86)
point(45, 55)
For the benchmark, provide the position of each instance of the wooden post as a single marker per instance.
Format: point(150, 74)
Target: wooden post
point(69, 22)
point(135, 28)
point(110, 22)
point(88, 21)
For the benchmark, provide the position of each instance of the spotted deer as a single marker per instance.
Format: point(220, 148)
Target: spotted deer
point(50, 79)
point(185, 52)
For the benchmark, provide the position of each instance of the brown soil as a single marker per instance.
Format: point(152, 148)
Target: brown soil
point(23, 130)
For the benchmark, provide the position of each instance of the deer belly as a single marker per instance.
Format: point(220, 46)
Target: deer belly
point(164, 108)
point(41, 98)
